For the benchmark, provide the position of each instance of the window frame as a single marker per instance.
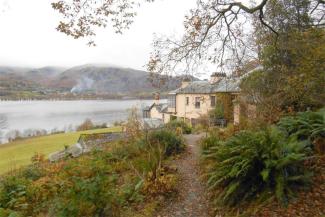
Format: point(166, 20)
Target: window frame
point(187, 100)
point(172, 101)
point(197, 102)
point(213, 102)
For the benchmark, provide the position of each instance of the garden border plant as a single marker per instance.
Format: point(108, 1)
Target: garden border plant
point(262, 162)
point(119, 179)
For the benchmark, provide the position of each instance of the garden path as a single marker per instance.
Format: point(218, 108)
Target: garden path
point(191, 200)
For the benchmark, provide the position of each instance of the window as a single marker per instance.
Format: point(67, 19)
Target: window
point(172, 101)
point(213, 101)
point(146, 114)
point(197, 102)
point(187, 100)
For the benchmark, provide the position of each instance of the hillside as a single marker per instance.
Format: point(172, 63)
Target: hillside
point(84, 79)
point(103, 79)
point(12, 70)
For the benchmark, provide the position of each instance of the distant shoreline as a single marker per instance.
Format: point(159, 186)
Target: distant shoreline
point(117, 99)
point(82, 99)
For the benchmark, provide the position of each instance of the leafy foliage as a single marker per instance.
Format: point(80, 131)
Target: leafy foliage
point(104, 183)
point(133, 125)
point(213, 140)
point(171, 143)
point(160, 184)
point(89, 125)
point(174, 124)
point(305, 125)
point(86, 125)
point(224, 107)
point(251, 163)
point(289, 82)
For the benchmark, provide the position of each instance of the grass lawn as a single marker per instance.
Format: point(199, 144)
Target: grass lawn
point(19, 153)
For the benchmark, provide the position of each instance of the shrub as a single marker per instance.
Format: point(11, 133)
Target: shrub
point(305, 125)
point(174, 124)
point(92, 187)
point(218, 112)
point(253, 163)
point(211, 141)
point(133, 126)
point(164, 183)
point(170, 142)
point(86, 125)
point(35, 170)
point(13, 193)
point(102, 183)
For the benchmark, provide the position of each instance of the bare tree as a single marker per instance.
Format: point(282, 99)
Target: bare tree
point(222, 32)
point(81, 18)
point(216, 31)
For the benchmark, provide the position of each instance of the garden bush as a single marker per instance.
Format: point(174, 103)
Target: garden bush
point(305, 125)
point(86, 125)
point(168, 140)
point(88, 189)
point(89, 125)
point(120, 178)
point(13, 193)
point(254, 163)
point(213, 140)
point(174, 124)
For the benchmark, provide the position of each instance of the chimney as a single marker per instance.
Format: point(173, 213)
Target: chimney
point(186, 81)
point(216, 77)
point(156, 98)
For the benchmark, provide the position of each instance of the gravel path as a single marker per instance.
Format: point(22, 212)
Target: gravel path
point(191, 200)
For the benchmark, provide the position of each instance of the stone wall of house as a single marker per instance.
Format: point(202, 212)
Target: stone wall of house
point(190, 111)
point(166, 117)
point(154, 113)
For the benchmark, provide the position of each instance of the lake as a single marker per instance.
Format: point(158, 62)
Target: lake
point(62, 115)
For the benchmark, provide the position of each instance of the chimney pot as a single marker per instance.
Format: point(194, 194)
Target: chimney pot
point(216, 77)
point(186, 81)
point(157, 98)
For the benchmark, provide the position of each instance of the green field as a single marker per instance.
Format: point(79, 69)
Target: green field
point(18, 153)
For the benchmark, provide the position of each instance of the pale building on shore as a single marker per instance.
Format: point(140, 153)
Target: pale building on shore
point(195, 99)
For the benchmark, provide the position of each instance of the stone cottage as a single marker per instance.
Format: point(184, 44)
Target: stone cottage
point(194, 99)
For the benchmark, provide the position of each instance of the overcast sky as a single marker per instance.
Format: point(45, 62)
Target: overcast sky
point(28, 36)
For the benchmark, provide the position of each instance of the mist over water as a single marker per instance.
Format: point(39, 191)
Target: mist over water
point(62, 115)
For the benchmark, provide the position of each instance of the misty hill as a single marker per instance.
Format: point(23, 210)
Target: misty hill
point(48, 71)
point(101, 79)
point(4, 70)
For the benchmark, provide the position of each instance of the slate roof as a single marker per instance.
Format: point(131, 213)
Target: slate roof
point(147, 108)
point(205, 87)
point(152, 123)
point(224, 85)
point(162, 107)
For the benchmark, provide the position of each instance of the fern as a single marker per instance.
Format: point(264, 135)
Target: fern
point(305, 125)
point(250, 163)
